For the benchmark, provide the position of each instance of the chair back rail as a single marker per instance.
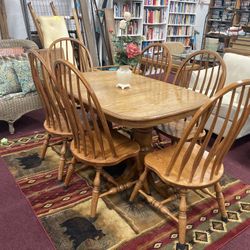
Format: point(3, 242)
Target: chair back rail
point(203, 71)
point(88, 122)
point(71, 50)
point(155, 62)
point(47, 88)
point(237, 111)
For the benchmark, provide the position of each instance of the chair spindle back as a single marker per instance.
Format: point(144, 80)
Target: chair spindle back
point(73, 51)
point(88, 122)
point(237, 110)
point(47, 88)
point(203, 71)
point(155, 62)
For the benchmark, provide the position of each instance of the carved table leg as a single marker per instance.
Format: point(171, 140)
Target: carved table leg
point(144, 138)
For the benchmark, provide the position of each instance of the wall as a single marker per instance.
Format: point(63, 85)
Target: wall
point(15, 19)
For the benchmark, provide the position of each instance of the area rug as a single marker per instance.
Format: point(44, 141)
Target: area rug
point(64, 213)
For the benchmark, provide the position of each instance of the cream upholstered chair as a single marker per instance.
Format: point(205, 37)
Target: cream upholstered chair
point(204, 72)
point(49, 28)
point(188, 165)
point(237, 69)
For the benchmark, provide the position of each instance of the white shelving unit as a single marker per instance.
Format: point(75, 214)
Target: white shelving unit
point(181, 20)
point(135, 7)
point(154, 21)
point(157, 20)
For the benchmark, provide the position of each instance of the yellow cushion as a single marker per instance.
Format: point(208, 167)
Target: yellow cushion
point(53, 28)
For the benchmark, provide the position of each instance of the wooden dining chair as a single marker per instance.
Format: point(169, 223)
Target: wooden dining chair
point(188, 165)
point(155, 61)
point(94, 144)
point(72, 50)
point(56, 120)
point(204, 72)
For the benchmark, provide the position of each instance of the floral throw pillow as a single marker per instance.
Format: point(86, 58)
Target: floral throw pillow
point(23, 71)
point(8, 79)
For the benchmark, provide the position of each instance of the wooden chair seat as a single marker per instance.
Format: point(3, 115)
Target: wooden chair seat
point(124, 147)
point(175, 130)
point(158, 160)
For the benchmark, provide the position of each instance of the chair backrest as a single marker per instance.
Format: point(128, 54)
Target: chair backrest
point(192, 154)
point(155, 61)
point(203, 71)
point(88, 122)
point(72, 50)
point(47, 89)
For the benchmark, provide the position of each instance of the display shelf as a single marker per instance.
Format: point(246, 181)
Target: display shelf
point(222, 15)
point(154, 21)
point(135, 26)
point(181, 21)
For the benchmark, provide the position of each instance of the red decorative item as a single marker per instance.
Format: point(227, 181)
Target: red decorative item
point(132, 50)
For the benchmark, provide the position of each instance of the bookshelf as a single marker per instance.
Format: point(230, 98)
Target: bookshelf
point(181, 21)
point(154, 21)
point(135, 7)
point(157, 20)
point(222, 15)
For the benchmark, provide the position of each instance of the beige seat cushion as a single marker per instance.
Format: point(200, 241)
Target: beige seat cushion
point(237, 67)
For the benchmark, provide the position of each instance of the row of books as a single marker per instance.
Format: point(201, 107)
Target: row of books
point(153, 33)
point(181, 19)
point(184, 40)
point(134, 8)
point(132, 28)
point(155, 16)
point(225, 3)
point(155, 2)
point(182, 7)
point(179, 31)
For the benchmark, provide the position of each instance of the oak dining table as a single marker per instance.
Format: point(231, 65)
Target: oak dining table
point(147, 103)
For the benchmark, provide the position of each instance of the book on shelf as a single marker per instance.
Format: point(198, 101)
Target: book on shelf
point(132, 28)
point(181, 19)
point(133, 7)
point(156, 2)
point(181, 7)
point(154, 16)
point(179, 31)
point(153, 32)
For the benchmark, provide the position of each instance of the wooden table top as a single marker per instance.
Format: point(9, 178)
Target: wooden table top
point(147, 103)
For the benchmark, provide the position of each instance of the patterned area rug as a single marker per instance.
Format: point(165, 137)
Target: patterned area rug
point(120, 225)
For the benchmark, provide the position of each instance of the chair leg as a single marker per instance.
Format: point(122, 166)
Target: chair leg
point(182, 220)
point(139, 184)
point(62, 160)
point(221, 201)
point(45, 146)
point(95, 193)
point(70, 171)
